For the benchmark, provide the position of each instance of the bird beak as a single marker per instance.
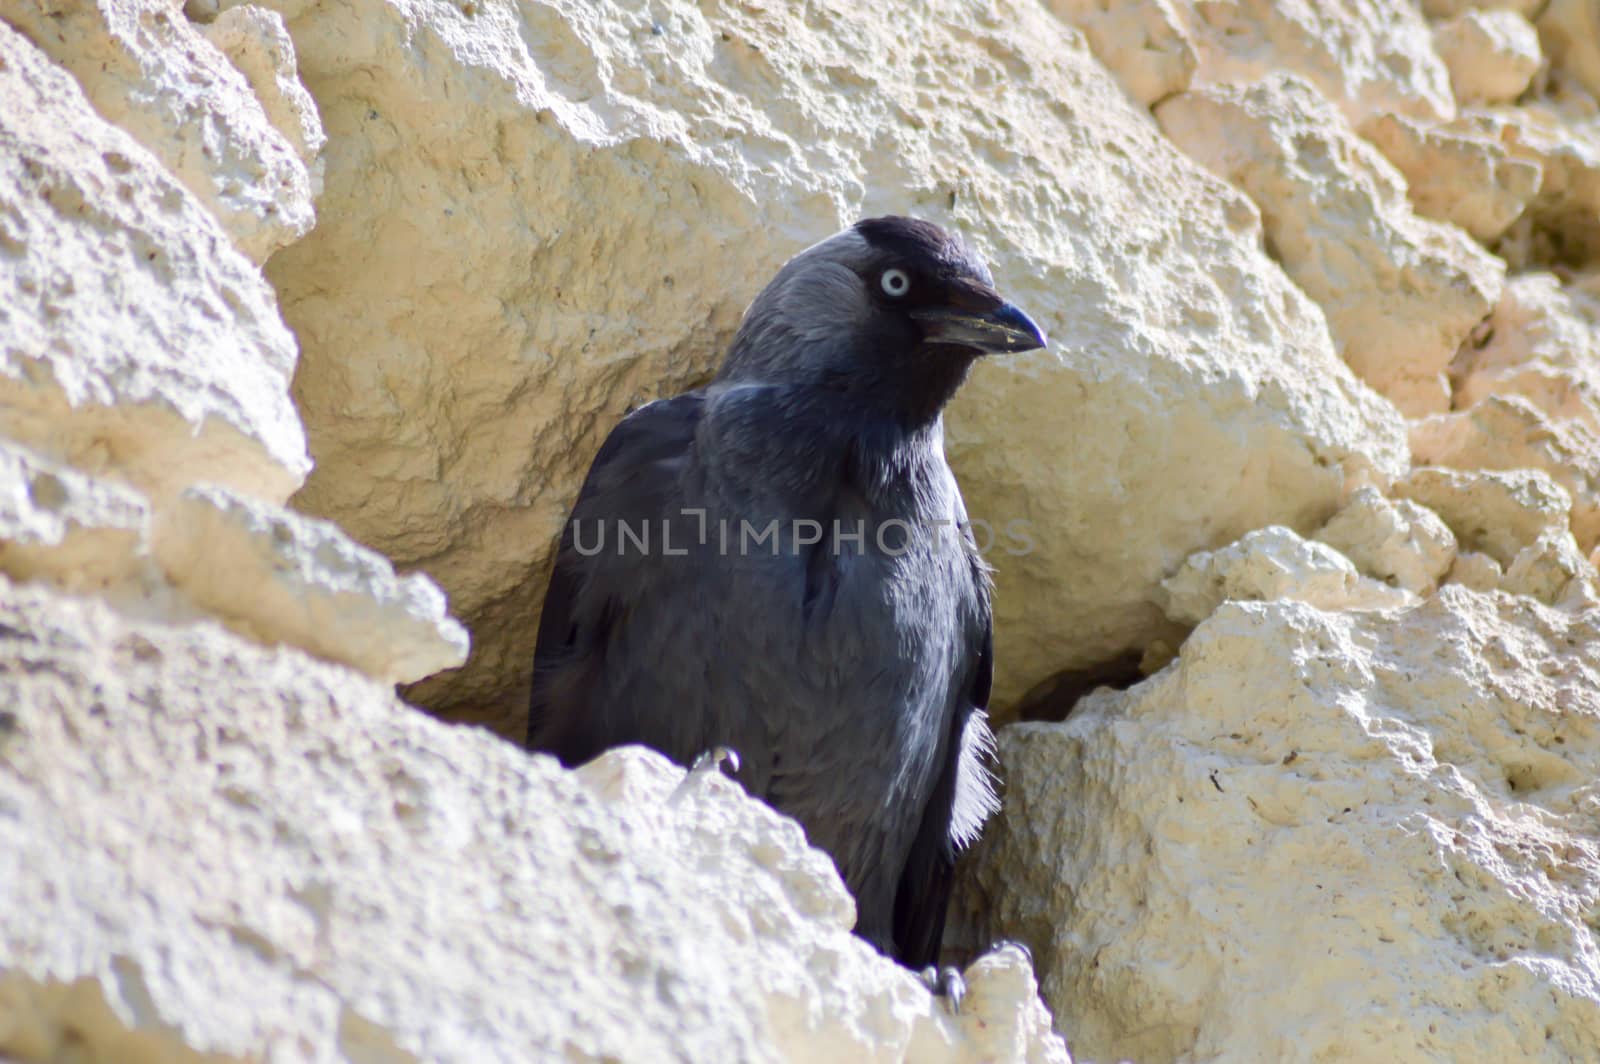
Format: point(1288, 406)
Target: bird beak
point(1003, 330)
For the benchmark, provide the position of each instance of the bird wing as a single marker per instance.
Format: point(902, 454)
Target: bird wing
point(962, 799)
point(635, 478)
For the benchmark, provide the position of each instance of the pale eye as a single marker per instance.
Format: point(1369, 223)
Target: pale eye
point(895, 283)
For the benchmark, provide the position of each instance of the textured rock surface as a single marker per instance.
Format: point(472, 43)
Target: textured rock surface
point(1570, 33)
point(64, 528)
point(134, 336)
point(1270, 563)
point(1398, 542)
point(1459, 172)
point(322, 875)
point(1491, 55)
point(281, 577)
point(1497, 513)
point(1365, 55)
point(1142, 42)
point(1543, 344)
point(257, 43)
point(451, 430)
point(1400, 292)
point(1319, 836)
point(147, 70)
point(1508, 432)
point(1562, 226)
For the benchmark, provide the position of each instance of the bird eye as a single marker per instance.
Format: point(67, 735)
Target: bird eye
point(895, 283)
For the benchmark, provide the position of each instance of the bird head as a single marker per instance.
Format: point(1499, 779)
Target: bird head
point(890, 313)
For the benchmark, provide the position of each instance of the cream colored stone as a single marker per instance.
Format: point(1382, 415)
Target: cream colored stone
point(1458, 172)
point(1560, 132)
point(59, 526)
point(1508, 432)
point(257, 43)
point(1398, 542)
point(1318, 836)
point(1143, 42)
point(1476, 571)
point(1570, 33)
point(1554, 571)
point(280, 577)
point(211, 848)
point(1450, 8)
point(133, 337)
point(1491, 55)
point(147, 70)
point(1498, 513)
point(1401, 293)
point(537, 215)
point(1268, 564)
point(1368, 56)
point(1543, 343)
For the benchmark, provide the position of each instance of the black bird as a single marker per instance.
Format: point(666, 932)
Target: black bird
point(779, 564)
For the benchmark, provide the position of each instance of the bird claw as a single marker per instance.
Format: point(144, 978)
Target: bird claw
point(716, 758)
point(724, 759)
point(945, 982)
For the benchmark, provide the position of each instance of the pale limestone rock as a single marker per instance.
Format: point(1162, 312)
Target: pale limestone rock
point(1491, 55)
point(1267, 564)
point(1560, 132)
point(59, 526)
point(1318, 836)
point(1554, 571)
point(211, 848)
point(1570, 33)
point(257, 43)
point(1497, 513)
point(1367, 56)
point(147, 70)
point(1508, 432)
point(1451, 8)
point(1143, 42)
point(1401, 293)
point(1398, 542)
point(133, 336)
point(1543, 343)
point(1476, 571)
point(537, 215)
point(1459, 172)
point(280, 577)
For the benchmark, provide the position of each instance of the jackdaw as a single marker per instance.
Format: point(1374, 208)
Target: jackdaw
point(779, 564)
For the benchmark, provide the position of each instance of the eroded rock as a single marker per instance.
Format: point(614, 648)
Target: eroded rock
point(149, 72)
point(1401, 293)
point(1491, 55)
point(1315, 836)
point(323, 875)
point(134, 338)
point(1398, 542)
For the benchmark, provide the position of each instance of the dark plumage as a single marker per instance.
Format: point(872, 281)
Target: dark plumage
point(850, 674)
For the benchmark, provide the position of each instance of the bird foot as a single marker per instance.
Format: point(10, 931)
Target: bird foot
point(723, 759)
point(945, 982)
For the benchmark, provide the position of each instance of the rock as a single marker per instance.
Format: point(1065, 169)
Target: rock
point(565, 208)
point(136, 337)
point(1554, 571)
point(1143, 43)
point(1561, 133)
point(1476, 571)
point(147, 70)
point(59, 526)
point(257, 43)
point(1569, 30)
point(1543, 344)
point(1496, 512)
point(1459, 172)
point(318, 873)
point(1401, 293)
point(1367, 56)
point(282, 578)
point(1315, 837)
point(1451, 8)
point(1491, 55)
point(1268, 564)
point(1398, 542)
point(1508, 432)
